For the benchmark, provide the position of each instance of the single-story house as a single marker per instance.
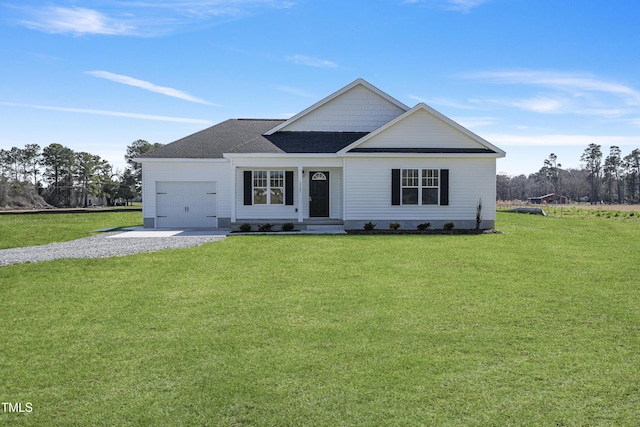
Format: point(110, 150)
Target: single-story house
point(356, 156)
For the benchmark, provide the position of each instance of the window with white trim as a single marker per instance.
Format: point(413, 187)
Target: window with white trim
point(420, 186)
point(410, 186)
point(430, 186)
point(276, 188)
point(268, 187)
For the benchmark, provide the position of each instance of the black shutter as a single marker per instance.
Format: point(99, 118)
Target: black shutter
point(395, 186)
point(248, 187)
point(444, 187)
point(288, 188)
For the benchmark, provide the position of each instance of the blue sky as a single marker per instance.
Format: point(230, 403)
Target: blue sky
point(531, 76)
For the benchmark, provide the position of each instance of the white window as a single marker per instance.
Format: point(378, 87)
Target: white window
point(268, 187)
point(430, 186)
point(420, 186)
point(276, 188)
point(410, 186)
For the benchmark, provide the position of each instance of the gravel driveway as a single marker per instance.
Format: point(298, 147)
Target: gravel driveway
point(101, 246)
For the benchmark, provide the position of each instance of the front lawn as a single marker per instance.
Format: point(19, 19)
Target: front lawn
point(537, 326)
point(17, 230)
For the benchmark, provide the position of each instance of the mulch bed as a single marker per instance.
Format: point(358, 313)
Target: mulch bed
point(434, 232)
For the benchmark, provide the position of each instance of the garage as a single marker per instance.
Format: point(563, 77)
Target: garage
point(186, 204)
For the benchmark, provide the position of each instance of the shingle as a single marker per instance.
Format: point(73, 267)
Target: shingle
point(246, 136)
point(230, 136)
point(313, 142)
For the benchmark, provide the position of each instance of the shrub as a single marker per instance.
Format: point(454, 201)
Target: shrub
point(394, 226)
point(369, 226)
point(424, 226)
point(265, 227)
point(449, 226)
point(246, 227)
point(287, 226)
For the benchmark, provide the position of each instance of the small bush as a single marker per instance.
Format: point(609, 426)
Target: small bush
point(246, 227)
point(287, 226)
point(265, 227)
point(394, 226)
point(424, 226)
point(449, 226)
point(369, 226)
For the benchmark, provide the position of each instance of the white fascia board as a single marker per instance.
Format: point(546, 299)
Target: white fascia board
point(178, 160)
point(278, 155)
point(285, 160)
point(425, 155)
point(335, 95)
point(438, 115)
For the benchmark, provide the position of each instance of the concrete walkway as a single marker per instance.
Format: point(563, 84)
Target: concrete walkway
point(140, 232)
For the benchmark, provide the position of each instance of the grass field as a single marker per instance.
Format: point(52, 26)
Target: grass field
point(38, 229)
point(536, 326)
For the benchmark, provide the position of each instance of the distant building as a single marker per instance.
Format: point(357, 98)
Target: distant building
point(549, 199)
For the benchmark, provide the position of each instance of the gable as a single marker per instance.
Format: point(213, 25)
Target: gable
point(422, 130)
point(358, 107)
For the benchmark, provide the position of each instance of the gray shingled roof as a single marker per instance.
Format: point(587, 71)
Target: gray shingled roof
point(246, 136)
point(313, 142)
point(230, 136)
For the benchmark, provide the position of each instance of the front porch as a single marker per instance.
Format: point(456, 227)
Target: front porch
point(285, 191)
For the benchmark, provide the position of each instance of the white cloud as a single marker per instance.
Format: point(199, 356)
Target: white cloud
point(566, 82)
point(560, 140)
point(463, 6)
point(138, 18)
point(126, 80)
point(294, 91)
point(540, 104)
point(475, 122)
point(112, 113)
point(446, 102)
point(61, 20)
point(312, 62)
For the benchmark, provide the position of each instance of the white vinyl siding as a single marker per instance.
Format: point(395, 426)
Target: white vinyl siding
point(357, 110)
point(368, 189)
point(421, 130)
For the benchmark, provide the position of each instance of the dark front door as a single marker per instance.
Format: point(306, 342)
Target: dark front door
point(318, 194)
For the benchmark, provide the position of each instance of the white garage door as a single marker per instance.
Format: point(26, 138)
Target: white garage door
point(186, 204)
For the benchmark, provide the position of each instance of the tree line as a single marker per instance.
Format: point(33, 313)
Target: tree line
point(611, 179)
point(59, 176)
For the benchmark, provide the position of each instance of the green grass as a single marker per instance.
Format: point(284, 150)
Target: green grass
point(39, 229)
point(537, 326)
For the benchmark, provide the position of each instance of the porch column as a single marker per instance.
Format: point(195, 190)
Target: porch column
point(300, 201)
point(233, 192)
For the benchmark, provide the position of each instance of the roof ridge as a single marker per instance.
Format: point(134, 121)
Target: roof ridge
point(262, 120)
